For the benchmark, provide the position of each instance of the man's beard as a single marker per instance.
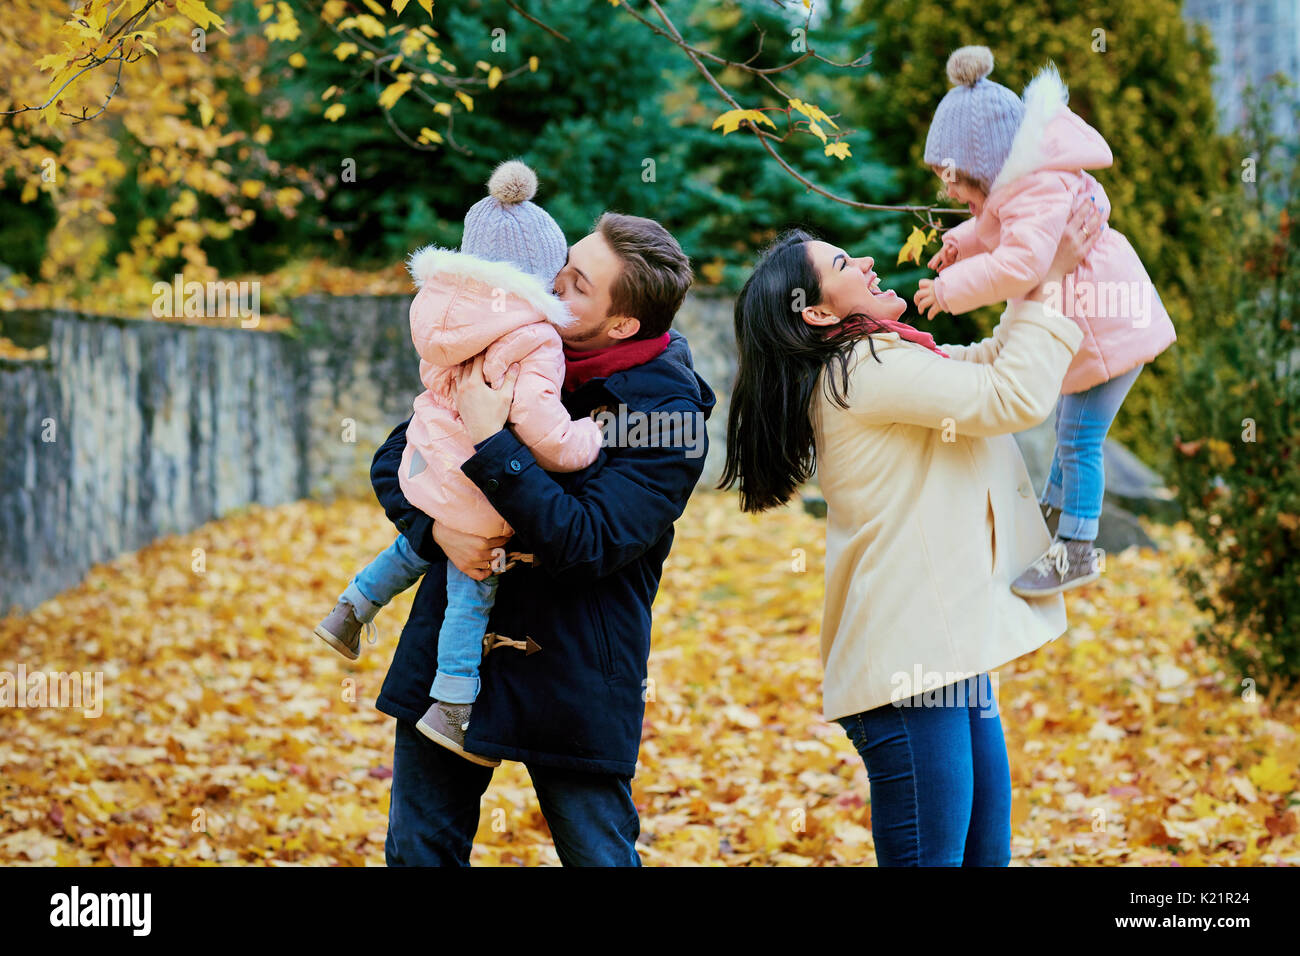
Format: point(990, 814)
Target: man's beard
point(585, 337)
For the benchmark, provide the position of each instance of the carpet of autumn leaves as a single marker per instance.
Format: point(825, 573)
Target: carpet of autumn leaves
point(231, 735)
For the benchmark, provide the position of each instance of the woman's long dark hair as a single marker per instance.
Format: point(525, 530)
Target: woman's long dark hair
point(770, 447)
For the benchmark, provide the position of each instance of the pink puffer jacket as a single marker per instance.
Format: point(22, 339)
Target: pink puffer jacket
point(1004, 252)
point(465, 306)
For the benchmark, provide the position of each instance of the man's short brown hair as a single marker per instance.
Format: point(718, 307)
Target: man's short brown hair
point(655, 275)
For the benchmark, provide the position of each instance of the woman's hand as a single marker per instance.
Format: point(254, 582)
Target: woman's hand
point(482, 408)
point(469, 552)
point(1081, 232)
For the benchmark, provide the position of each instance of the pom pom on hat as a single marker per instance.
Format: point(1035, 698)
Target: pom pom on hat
point(977, 119)
point(512, 183)
point(969, 64)
point(506, 226)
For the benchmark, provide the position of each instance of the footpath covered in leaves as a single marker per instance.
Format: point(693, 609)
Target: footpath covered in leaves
point(229, 734)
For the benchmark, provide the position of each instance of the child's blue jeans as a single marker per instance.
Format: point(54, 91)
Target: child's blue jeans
point(460, 642)
point(392, 571)
point(1076, 483)
point(469, 603)
point(940, 780)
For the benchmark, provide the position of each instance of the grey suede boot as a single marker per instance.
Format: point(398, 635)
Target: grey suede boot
point(1064, 565)
point(446, 724)
point(342, 631)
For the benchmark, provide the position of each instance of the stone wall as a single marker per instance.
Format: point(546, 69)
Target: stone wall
point(128, 430)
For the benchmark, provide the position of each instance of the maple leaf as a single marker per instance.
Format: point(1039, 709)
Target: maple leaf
point(838, 149)
point(1272, 776)
point(730, 121)
point(197, 11)
point(813, 112)
point(916, 241)
point(52, 61)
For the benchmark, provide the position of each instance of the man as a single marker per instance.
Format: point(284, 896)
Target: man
point(563, 680)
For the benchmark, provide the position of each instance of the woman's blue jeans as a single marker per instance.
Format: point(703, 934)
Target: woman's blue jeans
point(1076, 483)
point(940, 780)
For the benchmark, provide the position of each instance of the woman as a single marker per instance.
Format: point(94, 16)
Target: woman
point(930, 515)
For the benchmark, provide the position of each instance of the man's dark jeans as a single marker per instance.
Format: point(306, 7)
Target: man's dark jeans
point(434, 811)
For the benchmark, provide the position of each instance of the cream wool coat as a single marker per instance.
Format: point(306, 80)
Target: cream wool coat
point(930, 511)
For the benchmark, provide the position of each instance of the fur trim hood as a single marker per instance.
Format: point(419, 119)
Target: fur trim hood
point(1050, 136)
point(466, 303)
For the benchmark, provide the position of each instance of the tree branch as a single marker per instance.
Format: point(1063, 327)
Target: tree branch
point(766, 139)
point(532, 19)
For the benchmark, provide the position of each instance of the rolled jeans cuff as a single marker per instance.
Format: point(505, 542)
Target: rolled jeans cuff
point(1080, 529)
point(366, 610)
point(453, 689)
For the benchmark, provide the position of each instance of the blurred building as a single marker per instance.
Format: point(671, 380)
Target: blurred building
point(1254, 39)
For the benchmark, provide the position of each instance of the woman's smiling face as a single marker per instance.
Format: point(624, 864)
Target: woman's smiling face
point(849, 285)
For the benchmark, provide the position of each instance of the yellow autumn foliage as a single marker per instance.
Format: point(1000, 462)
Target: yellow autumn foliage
point(230, 734)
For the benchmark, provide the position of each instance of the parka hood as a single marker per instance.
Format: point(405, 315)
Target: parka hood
point(1050, 136)
point(466, 303)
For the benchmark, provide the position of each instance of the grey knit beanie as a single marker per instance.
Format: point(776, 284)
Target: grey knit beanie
point(507, 227)
point(976, 120)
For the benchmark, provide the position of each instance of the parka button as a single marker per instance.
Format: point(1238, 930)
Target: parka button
point(1024, 490)
point(514, 464)
point(491, 484)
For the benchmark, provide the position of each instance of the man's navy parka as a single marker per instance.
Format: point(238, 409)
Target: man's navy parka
point(600, 536)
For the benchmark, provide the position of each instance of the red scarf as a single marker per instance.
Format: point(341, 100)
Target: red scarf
point(594, 363)
point(861, 323)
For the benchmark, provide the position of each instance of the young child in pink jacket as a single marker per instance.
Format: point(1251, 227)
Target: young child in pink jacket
point(1020, 164)
point(493, 297)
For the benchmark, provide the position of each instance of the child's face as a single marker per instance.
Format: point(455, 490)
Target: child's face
point(959, 191)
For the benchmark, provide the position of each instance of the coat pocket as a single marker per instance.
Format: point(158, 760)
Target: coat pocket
point(992, 524)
